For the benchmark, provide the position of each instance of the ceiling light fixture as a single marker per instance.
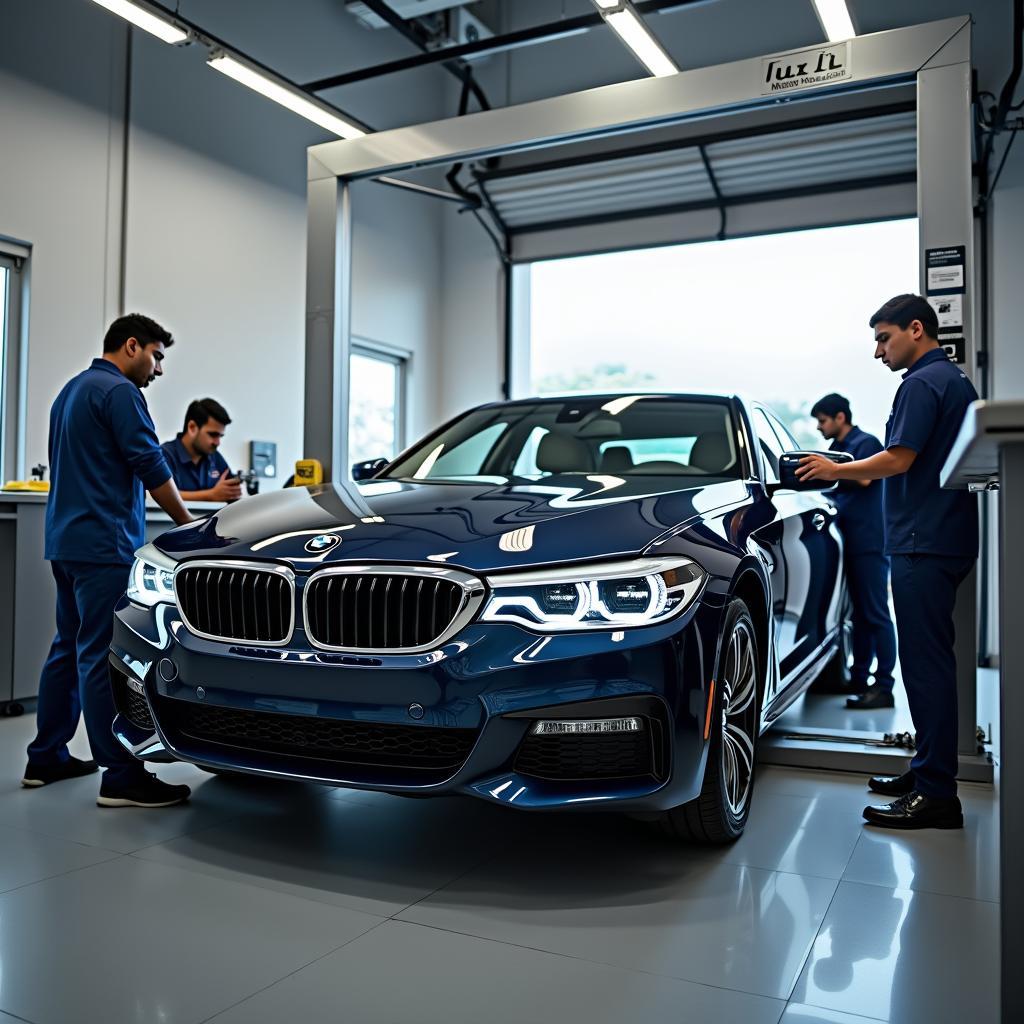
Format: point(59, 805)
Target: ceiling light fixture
point(622, 18)
point(287, 95)
point(835, 19)
point(145, 19)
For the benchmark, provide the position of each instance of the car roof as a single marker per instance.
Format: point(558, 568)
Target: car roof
point(610, 396)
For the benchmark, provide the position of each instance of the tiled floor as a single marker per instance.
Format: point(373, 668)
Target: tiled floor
point(261, 903)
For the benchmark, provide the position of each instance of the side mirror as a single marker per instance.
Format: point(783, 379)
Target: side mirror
point(365, 470)
point(789, 462)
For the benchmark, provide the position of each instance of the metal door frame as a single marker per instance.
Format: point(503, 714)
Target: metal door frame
point(935, 56)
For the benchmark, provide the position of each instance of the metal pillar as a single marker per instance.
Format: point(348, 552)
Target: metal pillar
point(328, 321)
point(1011, 718)
point(945, 208)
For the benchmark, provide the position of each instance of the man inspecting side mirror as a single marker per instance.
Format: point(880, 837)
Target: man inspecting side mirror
point(104, 454)
point(199, 469)
point(932, 539)
point(862, 524)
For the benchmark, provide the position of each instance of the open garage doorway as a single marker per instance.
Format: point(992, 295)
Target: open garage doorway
point(782, 318)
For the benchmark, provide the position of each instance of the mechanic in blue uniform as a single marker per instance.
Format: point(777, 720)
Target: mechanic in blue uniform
point(862, 524)
point(103, 454)
point(199, 470)
point(932, 539)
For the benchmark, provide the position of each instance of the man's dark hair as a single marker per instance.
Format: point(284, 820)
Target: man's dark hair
point(135, 325)
point(832, 405)
point(202, 409)
point(904, 310)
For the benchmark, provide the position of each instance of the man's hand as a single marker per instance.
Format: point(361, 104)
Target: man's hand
point(817, 467)
point(227, 488)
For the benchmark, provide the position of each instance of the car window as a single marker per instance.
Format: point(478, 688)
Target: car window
point(786, 439)
point(465, 458)
point(642, 435)
point(771, 446)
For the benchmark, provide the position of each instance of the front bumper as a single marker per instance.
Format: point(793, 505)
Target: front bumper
point(455, 720)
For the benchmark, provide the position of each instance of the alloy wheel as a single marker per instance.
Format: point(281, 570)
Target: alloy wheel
point(739, 718)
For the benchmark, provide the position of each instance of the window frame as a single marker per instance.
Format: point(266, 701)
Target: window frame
point(400, 359)
point(14, 259)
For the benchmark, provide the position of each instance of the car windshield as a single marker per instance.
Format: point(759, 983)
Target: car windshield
point(631, 435)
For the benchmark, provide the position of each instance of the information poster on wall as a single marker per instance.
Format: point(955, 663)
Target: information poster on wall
point(945, 271)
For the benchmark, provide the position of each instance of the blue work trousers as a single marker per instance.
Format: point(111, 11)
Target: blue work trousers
point(75, 677)
point(867, 576)
point(924, 595)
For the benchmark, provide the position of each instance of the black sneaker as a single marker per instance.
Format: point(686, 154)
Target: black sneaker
point(871, 700)
point(147, 791)
point(43, 774)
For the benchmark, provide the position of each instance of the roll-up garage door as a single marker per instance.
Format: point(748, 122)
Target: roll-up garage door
point(854, 170)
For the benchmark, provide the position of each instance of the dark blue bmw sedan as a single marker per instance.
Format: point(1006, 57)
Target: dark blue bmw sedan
point(594, 602)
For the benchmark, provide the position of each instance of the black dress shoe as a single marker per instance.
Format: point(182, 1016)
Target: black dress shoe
point(915, 810)
point(43, 774)
point(873, 698)
point(892, 785)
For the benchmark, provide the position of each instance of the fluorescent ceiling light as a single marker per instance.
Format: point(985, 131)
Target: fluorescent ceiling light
point(835, 19)
point(630, 28)
point(164, 30)
point(291, 98)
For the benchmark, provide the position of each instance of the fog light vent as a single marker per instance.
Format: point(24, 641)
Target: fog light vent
point(554, 727)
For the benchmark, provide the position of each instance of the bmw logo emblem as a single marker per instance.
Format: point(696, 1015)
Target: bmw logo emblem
point(322, 542)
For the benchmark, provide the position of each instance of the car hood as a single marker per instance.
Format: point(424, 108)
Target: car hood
point(482, 526)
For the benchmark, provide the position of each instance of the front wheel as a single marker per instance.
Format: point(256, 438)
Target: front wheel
point(719, 814)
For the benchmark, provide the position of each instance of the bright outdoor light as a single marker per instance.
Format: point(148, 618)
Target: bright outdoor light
point(630, 28)
point(287, 97)
point(835, 19)
point(164, 30)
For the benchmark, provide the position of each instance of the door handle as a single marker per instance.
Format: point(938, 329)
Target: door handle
point(818, 521)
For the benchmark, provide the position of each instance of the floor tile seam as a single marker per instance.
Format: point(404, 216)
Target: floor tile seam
point(15, 1016)
point(451, 881)
point(903, 891)
point(285, 977)
point(63, 839)
point(814, 938)
point(833, 1009)
point(587, 960)
point(262, 888)
point(61, 874)
point(926, 892)
point(181, 835)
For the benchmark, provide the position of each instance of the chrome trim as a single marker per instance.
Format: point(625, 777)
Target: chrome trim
point(473, 594)
point(586, 571)
point(237, 563)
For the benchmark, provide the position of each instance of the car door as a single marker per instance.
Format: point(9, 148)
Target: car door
point(805, 550)
point(822, 612)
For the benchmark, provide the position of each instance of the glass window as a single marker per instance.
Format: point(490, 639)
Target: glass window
point(374, 405)
point(620, 436)
point(771, 446)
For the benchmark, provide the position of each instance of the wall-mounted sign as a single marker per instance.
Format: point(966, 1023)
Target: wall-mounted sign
point(945, 271)
point(949, 309)
point(801, 69)
point(955, 349)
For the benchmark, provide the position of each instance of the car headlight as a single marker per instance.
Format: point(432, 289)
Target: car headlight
point(615, 595)
point(152, 577)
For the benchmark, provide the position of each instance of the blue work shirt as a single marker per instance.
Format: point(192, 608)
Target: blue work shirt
point(104, 455)
point(921, 516)
point(189, 475)
point(861, 515)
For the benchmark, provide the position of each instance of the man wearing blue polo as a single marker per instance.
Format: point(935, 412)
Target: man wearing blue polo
point(198, 468)
point(932, 539)
point(862, 524)
point(103, 454)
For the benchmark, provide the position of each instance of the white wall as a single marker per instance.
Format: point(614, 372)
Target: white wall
point(215, 230)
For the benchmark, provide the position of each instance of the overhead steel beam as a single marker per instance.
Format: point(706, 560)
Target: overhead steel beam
point(896, 55)
point(545, 33)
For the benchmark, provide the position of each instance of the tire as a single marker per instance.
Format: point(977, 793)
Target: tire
point(719, 814)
